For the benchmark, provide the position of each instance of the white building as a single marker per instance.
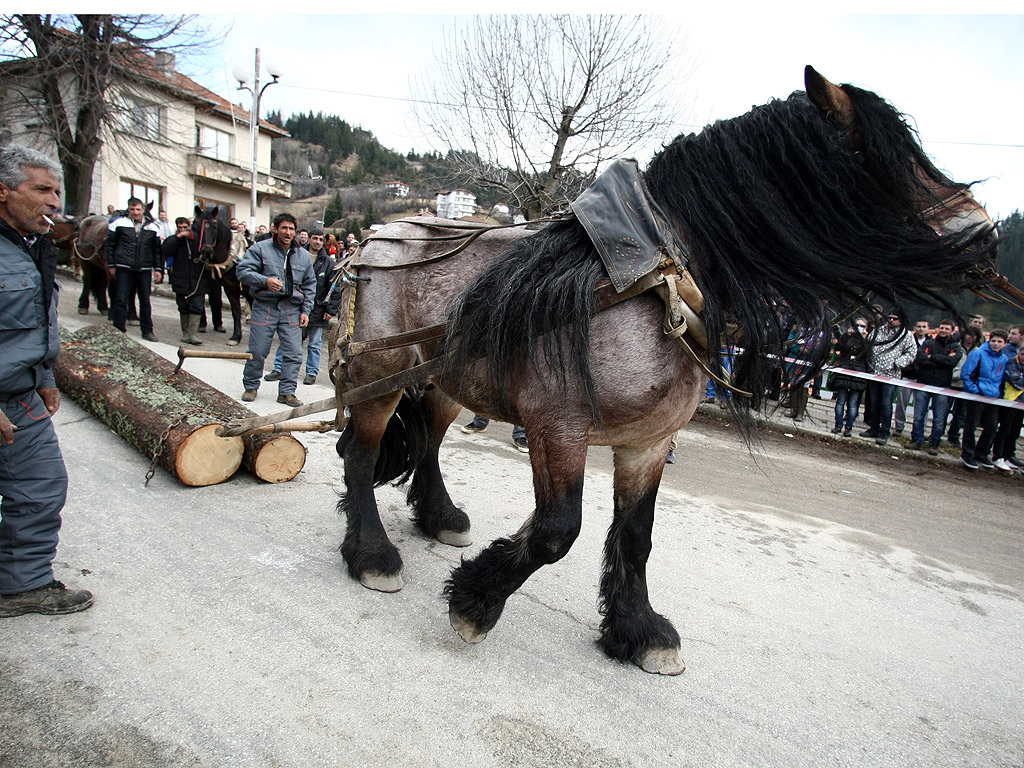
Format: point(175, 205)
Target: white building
point(397, 188)
point(455, 204)
point(175, 144)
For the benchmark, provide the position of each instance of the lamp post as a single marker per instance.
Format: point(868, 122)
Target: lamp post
point(254, 125)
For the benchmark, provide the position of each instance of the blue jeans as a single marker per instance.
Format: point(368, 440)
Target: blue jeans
point(940, 409)
point(482, 421)
point(315, 340)
point(849, 401)
point(881, 407)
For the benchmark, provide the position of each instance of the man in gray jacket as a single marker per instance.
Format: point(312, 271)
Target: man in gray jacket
point(280, 274)
point(33, 479)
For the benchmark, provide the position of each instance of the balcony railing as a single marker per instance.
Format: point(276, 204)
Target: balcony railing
point(269, 183)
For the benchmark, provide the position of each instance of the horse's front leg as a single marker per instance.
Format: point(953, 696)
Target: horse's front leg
point(368, 552)
point(630, 629)
point(478, 589)
point(433, 509)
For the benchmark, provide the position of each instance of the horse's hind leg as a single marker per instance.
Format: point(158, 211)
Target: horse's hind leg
point(630, 629)
point(368, 552)
point(434, 512)
point(478, 589)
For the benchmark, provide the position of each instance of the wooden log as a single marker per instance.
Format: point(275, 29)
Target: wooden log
point(110, 376)
point(272, 458)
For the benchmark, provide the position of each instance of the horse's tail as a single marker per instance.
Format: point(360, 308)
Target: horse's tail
point(403, 444)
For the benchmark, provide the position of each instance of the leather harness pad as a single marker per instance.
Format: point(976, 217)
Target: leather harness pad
point(615, 212)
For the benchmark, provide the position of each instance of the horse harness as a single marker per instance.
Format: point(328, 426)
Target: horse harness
point(665, 273)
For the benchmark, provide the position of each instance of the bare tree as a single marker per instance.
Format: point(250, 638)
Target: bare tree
point(64, 73)
point(531, 105)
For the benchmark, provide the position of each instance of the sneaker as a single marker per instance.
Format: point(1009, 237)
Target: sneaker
point(249, 395)
point(1004, 465)
point(984, 462)
point(836, 430)
point(291, 400)
point(51, 600)
point(969, 462)
point(272, 376)
point(671, 458)
point(310, 379)
point(472, 428)
point(149, 337)
point(916, 445)
point(221, 329)
point(521, 444)
point(847, 433)
point(1015, 461)
point(869, 433)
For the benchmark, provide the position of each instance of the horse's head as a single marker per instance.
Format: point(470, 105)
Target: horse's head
point(948, 207)
point(212, 237)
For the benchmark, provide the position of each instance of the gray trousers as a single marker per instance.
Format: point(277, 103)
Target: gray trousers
point(33, 487)
point(266, 319)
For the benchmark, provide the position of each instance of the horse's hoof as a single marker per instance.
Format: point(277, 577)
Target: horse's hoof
point(662, 661)
point(465, 628)
point(454, 538)
point(382, 582)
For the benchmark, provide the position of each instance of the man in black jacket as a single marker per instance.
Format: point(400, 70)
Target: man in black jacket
point(936, 359)
point(189, 280)
point(133, 259)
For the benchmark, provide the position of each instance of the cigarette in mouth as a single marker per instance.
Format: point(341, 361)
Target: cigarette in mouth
point(49, 221)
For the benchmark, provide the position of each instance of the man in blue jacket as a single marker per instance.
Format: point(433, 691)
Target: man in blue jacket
point(283, 284)
point(33, 479)
point(982, 374)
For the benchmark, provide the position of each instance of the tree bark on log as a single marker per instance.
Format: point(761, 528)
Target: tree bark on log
point(137, 394)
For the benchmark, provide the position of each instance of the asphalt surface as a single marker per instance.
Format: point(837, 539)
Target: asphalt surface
point(839, 604)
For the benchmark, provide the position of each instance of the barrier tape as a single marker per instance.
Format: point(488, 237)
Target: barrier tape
point(957, 393)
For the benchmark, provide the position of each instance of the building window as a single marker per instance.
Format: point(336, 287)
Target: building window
point(141, 118)
point(211, 142)
point(144, 192)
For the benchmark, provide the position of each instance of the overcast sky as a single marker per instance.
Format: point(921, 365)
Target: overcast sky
point(959, 77)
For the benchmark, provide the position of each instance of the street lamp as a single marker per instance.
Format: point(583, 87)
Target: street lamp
point(254, 124)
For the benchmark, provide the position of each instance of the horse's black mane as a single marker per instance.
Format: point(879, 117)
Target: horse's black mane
point(776, 207)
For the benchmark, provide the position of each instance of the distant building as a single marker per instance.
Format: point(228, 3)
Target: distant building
point(175, 144)
point(499, 209)
point(397, 188)
point(455, 204)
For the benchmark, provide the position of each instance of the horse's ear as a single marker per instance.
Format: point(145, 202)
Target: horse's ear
point(213, 213)
point(830, 98)
point(199, 211)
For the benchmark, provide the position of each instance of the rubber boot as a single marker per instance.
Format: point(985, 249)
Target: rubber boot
point(800, 403)
point(184, 327)
point(193, 326)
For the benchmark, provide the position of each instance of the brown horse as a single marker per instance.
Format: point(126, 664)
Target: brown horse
point(824, 201)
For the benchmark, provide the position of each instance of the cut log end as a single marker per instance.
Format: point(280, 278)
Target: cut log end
point(205, 459)
point(279, 460)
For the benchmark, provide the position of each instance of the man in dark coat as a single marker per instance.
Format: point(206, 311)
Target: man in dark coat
point(133, 260)
point(188, 278)
point(936, 359)
point(33, 478)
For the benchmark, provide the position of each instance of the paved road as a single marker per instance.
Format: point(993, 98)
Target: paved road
point(839, 605)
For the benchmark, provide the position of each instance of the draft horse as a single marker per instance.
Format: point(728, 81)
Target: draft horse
point(818, 200)
point(92, 256)
point(215, 250)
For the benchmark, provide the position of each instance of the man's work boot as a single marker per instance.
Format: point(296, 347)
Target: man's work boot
point(52, 599)
point(291, 400)
point(249, 395)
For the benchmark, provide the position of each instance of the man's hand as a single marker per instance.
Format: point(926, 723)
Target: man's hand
point(158, 276)
point(303, 320)
point(51, 398)
point(327, 317)
point(111, 272)
point(6, 429)
point(274, 284)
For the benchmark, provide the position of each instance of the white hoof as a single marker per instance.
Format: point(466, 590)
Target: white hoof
point(663, 661)
point(453, 539)
point(382, 582)
point(467, 631)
